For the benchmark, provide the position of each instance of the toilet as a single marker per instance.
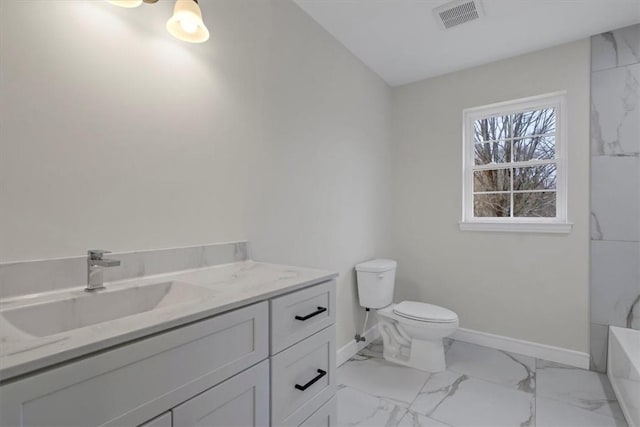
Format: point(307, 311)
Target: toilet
point(412, 332)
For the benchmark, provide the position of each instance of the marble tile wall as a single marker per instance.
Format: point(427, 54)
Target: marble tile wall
point(615, 184)
point(23, 278)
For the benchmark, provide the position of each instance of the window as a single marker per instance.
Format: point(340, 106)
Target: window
point(514, 166)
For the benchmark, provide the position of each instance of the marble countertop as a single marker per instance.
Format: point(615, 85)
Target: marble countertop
point(227, 286)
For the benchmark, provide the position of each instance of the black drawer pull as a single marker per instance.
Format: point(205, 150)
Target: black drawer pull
point(321, 374)
point(310, 315)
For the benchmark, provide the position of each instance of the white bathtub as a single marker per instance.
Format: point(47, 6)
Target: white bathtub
point(623, 369)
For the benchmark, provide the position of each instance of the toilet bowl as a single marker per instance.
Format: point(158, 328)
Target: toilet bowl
point(412, 332)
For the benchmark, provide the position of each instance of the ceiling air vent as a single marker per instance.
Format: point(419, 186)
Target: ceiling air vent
point(457, 12)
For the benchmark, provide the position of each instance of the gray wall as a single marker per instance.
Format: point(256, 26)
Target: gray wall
point(116, 135)
point(532, 287)
point(615, 184)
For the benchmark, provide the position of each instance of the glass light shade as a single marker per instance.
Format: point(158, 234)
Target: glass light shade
point(126, 3)
point(186, 23)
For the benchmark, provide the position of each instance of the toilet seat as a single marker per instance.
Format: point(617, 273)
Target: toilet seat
point(424, 312)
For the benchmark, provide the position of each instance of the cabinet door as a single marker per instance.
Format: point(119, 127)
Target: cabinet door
point(326, 416)
point(241, 401)
point(163, 420)
point(142, 379)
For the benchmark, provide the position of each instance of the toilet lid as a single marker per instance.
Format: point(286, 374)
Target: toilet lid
point(424, 312)
point(377, 265)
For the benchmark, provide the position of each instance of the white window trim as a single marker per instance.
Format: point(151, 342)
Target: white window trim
point(559, 224)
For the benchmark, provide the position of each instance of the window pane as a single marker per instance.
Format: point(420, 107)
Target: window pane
point(541, 204)
point(536, 122)
point(491, 205)
point(493, 152)
point(537, 148)
point(492, 128)
point(492, 180)
point(535, 178)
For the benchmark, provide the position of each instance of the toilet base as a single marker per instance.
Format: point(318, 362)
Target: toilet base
point(426, 356)
point(400, 348)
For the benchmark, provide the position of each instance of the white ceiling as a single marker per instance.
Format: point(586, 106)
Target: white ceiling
point(402, 42)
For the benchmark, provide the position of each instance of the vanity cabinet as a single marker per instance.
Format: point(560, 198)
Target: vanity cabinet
point(242, 401)
point(131, 384)
point(221, 371)
point(326, 416)
point(302, 353)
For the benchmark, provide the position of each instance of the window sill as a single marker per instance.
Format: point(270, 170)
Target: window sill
point(518, 227)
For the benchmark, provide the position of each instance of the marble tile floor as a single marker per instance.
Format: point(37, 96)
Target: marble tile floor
point(481, 387)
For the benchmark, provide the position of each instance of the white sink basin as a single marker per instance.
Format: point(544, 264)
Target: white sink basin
point(89, 308)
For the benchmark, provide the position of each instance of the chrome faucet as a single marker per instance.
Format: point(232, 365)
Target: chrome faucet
point(95, 265)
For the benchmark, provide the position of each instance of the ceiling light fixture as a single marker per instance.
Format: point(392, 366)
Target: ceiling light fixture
point(186, 23)
point(126, 3)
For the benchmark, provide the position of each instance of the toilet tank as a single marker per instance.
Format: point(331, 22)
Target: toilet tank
point(376, 280)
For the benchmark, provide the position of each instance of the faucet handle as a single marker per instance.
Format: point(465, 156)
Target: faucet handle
point(96, 254)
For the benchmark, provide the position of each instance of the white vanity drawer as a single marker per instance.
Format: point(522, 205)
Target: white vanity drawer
point(303, 378)
point(300, 314)
point(326, 416)
point(132, 383)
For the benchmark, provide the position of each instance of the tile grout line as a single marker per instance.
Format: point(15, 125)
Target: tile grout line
point(402, 418)
point(573, 405)
point(394, 400)
point(503, 385)
point(421, 388)
point(416, 397)
point(391, 400)
point(534, 394)
point(409, 404)
point(563, 402)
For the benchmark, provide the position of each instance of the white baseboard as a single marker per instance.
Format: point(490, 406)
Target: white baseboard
point(349, 350)
point(500, 342)
point(527, 348)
